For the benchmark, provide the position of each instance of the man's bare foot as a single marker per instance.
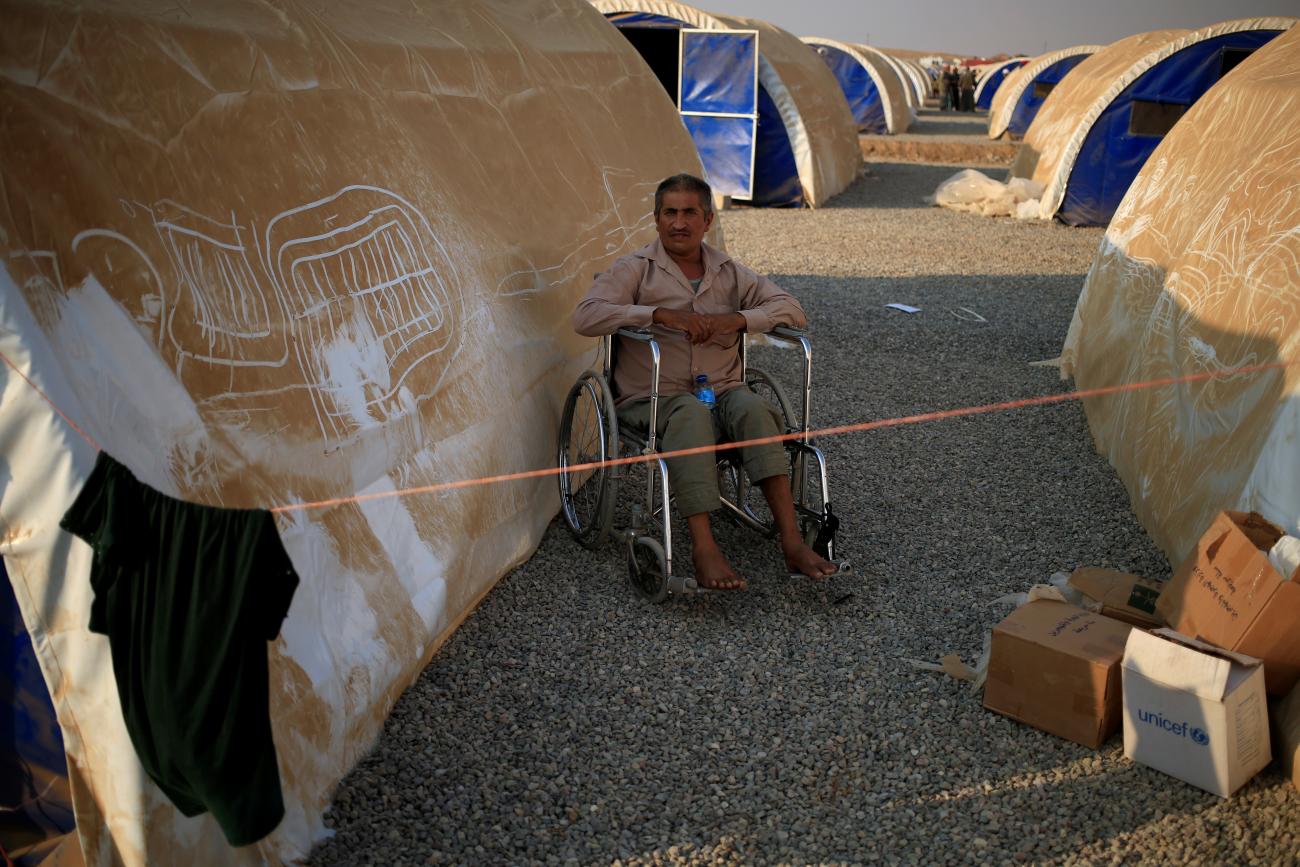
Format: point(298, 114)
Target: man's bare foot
point(713, 572)
point(804, 560)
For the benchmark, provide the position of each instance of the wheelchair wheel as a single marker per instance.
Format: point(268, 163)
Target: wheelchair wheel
point(771, 391)
point(734, 485)
point(588, 434)
point(810, 521)
point(647, 568)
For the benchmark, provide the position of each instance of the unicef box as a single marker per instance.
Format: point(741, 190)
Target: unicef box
point(1194, 711)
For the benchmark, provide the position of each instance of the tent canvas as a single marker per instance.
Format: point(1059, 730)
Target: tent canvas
point(807, 148)
point(915, 99)
point(870, 85)
point(1197, 276)
point(993, 79)
point(1097, 129)
point(917, 76)
point(1023, 93)
point(264, 256)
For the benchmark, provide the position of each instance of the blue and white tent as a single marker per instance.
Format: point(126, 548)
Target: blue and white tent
point(1096, 130)
point(798, 133)
point(993, 78)
point(1013, 107)
point(874, 90)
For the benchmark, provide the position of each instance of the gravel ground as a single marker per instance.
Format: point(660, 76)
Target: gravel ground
point(933, 125)
point(568, 722)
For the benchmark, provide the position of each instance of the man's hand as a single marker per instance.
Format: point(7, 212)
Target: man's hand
point(722, 324)
point(696, 325)
point(699, 327)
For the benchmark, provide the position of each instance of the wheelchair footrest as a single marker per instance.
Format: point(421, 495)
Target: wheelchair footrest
point(678, 584)
point(842, 567)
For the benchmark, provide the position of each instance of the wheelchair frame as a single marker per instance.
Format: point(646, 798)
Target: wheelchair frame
point(650, 561)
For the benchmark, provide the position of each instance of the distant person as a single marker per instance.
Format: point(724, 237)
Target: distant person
point(954, 93)
point(941, 88)
point(967, 85)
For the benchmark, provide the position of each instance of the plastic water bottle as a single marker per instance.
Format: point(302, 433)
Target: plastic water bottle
point(704, 391)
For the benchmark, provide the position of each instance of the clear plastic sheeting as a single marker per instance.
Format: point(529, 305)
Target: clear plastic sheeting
point(975, 192)
point(265, 255)
point(1197, 276)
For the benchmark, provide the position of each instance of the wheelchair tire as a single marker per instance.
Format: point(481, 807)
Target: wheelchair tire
point(647, 568)
point(734, 485)
point(588, 433)
point(771, 391)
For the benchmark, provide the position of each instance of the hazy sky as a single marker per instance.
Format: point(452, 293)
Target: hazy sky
point(991, 26)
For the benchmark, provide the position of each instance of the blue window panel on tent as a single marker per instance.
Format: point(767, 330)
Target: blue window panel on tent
point(718, 100)
point(726, 148)
point(776, 176)
point(719, 72)
point(35, 799)
point(991, 88)
point(1027, 106)
point(859, 89)
point(1112, 155)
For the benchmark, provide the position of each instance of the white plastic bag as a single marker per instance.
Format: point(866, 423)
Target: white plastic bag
point(973, 191)
point(1285, 556)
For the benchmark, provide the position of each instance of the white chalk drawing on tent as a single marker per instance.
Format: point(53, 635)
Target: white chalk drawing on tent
point(363, 280)
point(221, 302)
point(360, 271)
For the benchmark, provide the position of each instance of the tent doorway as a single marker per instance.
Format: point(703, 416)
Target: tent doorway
point(660, 48)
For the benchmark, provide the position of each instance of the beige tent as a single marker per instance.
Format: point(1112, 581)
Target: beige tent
point(817, 119)
point(914, 98)
point(987, 75)
point(265, 255)
point(1198, 276)
point(1008, 95)
point(919, 77)
point(1057, 135)
point(889, 85)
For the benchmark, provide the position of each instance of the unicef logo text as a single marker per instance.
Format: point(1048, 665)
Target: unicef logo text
point(1183, 729)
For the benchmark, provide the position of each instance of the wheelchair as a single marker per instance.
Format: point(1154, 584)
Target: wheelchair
point(590, 433)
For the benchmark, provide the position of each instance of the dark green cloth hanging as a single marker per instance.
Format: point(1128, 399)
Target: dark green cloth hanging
point(188, 596)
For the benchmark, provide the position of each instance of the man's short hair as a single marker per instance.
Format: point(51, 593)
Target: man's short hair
point(684, 183)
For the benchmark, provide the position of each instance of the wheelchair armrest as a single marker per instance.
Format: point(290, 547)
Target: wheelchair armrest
point(788, 334)
point(636, 334)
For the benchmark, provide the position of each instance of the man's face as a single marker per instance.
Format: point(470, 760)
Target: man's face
point(682, 223)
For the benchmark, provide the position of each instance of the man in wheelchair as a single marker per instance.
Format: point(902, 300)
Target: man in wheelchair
point(699, 302)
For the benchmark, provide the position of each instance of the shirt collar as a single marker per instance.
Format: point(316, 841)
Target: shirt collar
point(713, 257)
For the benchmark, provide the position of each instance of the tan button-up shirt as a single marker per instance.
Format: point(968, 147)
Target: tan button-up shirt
point(627, 294)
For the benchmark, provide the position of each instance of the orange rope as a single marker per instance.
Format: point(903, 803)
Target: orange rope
point(828, 431)
point(85, 436)
point(938, 415)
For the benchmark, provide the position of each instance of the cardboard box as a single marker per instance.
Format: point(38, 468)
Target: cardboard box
point(1120, 595)
point(1228, 593)
point(1056, 667)
point(1194, 711)
point(1285, 729)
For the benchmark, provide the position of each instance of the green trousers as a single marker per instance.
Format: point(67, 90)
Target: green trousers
point(685, 423)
